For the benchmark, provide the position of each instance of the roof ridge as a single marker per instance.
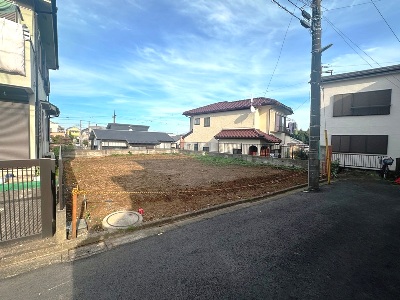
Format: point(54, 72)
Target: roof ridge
point(381, 71)
point(240, 104)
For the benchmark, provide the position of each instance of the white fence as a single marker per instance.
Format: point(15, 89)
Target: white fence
point(356, 160)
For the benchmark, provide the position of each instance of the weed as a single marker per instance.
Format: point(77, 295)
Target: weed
point(87, 215)
point(335, 166)
point(223, 161)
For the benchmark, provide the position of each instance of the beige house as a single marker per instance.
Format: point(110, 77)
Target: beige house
point(28, 49)
point(56, 129)
point(251, 126)
point(361, 113)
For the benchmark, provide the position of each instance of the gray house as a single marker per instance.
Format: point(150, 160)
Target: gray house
point(128, 139)
point(130, 127)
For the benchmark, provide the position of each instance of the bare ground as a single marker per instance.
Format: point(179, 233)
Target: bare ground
point(166, 185)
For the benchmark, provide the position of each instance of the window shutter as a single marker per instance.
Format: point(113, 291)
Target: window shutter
point(362, 103)
point(337, 105)
point(365, 144)
point(377, 144)
point(358, 144)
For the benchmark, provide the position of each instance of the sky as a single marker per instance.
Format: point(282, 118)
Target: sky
point(151, 60)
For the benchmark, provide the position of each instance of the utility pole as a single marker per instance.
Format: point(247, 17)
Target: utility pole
point(114, 116)
point(315, 109)
point(316, 70)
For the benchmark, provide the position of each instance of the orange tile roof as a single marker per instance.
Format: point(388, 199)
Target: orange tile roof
point(236, 105)
point(250, 133)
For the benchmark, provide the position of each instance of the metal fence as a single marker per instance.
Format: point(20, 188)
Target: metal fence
point(27, 198)
point(294, 152)
point(355, 160)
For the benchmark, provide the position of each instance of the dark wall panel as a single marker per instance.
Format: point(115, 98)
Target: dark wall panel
point(14, 130)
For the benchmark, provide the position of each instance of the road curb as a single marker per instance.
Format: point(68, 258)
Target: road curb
point(83, 247)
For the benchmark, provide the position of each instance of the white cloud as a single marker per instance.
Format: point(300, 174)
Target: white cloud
point(152, 65)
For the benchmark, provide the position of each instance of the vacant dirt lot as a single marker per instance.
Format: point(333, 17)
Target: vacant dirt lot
point(165, 185)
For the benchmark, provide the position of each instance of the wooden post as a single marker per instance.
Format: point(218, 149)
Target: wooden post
point(327, 158)
point(330, 163)
point(74, 206)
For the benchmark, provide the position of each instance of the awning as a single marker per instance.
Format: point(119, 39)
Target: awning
point(50, 109)
point(249, 133)
point(9, 93)
point(7, 6)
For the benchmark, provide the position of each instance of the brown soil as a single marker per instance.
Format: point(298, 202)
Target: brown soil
point(166, 185)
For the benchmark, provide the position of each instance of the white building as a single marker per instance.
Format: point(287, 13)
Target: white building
point(361, 113)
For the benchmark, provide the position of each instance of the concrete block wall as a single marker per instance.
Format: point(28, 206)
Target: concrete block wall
point(109, 152)
point(279, 162)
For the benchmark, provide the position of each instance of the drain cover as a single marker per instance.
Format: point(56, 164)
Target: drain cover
point(122, 220)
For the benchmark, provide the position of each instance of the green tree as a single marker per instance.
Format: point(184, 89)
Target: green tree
point(302, 135)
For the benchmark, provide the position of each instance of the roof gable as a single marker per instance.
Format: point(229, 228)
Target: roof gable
point(236, 105)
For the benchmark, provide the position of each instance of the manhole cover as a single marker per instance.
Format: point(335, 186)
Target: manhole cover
point(122, 220)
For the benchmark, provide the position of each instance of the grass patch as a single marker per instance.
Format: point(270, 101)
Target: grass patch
point(224, 161)
point(10, 186)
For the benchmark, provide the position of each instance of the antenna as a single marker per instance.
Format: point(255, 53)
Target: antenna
point(114, 116)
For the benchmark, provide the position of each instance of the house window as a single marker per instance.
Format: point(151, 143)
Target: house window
point(280, 123)
point(367, 144)
point(237, 151)
point(207, 122)
point(362, 104)
point(197, 121)
point(206, 149)
point(196, 147)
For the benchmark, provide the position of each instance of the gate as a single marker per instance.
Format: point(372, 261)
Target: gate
point(27, 198)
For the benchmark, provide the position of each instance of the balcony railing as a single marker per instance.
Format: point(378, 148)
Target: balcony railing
point(357, 160)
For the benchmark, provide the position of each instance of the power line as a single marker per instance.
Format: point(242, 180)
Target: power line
point(344, 37)
point(328, 9)
point(385, 21)
point(280, 52)
point(305, 3)
point(302, 104)
point(286, 86)
point(288, 11)
point(295, 5)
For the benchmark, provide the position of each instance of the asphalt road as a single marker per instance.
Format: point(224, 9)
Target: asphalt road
point(340, 243)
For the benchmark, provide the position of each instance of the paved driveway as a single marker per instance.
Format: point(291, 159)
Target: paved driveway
point(340, 243)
